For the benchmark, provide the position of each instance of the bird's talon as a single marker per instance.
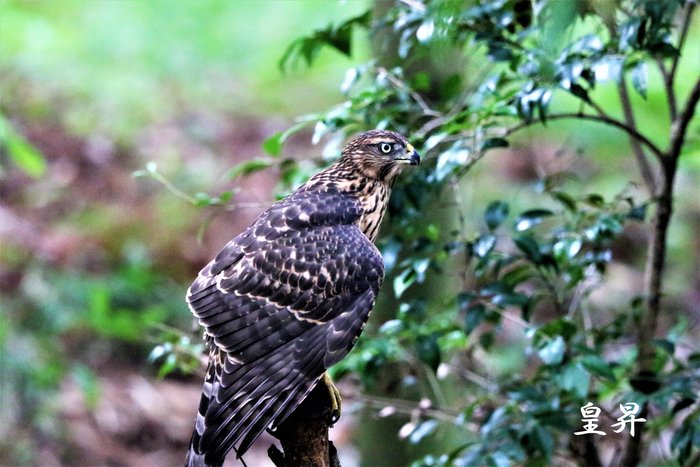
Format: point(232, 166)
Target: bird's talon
point(334, 395)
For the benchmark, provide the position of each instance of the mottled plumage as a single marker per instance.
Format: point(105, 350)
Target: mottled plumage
point(288, 297)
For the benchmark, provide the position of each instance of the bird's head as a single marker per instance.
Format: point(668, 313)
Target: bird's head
point(380, 154)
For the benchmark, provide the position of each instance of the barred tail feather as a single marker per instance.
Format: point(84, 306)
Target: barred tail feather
point(197, 460)
point(196, 456)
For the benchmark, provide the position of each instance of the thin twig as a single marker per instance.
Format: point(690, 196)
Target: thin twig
point(189, 199)
point(599, 110)
point(690, 6)
point(576, 301)
point(668, 86)
point(596, 118)
point(408, 407)
point(558, 305)
point(435, 386)
point(644, 168)
point(527, 326)
point(680, 125)
point(475, 378)
point(457, 192)
point(414, 95)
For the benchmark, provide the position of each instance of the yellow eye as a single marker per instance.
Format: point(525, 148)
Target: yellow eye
point(385, 148)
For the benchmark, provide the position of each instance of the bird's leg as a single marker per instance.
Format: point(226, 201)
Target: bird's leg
point(334, 395)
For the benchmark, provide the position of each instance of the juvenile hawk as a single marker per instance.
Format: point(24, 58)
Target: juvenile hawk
point(287, 298)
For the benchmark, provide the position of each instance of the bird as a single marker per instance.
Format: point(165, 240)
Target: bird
point(289, 296)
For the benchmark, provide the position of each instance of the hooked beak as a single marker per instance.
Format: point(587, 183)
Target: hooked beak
point(410, 157)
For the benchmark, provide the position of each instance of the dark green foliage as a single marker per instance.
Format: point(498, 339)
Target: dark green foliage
point(530, 269)
point(338, 37)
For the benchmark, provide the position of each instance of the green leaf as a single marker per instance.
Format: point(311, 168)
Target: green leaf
point(496, 213)
point(597, 366)
point(338, 37)
point(456, 339)
point(391, 327)
point(483, 245)
point(169, 365)
point(638, 213)
point(567, 248)
point(531, 218)
point(422, 430)
point(595, 200)
point(273, 144)
point(450, 161)
point(551, 351)
point(565, 199)
point(486, 340)
point(510, 299)
point(666, 345)
point(247, 167)
point(202, 199)
point(341, 36)
point(428, 350)
point(576, 379)
point(474, 317)
point(683, 439)
point(528, 245)
point(425, 31)
point(559, 327)
point(517, 275)
point(403, 281)
point(639, 78)
point(21, 152)
point(158, 351)
point(351, 77)
point(225, 196)
point(498, 459)
point(542, 440)
point(492, 143)
point(580, 92)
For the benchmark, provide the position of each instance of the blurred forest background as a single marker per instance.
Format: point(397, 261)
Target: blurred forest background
point(99, 352)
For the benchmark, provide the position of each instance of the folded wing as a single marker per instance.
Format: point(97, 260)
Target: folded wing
point(280, 304)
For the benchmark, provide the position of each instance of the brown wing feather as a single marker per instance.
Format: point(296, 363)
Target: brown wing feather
point(280, 304)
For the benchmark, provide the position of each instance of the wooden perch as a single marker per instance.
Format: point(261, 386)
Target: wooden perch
point(304, 435)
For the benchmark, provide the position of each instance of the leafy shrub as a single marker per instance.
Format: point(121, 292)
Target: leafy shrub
point(462, 79)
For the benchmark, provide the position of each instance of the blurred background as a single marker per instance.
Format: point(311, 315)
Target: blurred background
point(94, 262)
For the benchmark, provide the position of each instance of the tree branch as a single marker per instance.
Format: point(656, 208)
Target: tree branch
point(668, 86)
point(680, 125)
point(644, 168)
point(596, 118)
point(690, 5)
point(657, 249)
point(599, 110)
point(656, 257)
point(408, 407)
point(304, 435)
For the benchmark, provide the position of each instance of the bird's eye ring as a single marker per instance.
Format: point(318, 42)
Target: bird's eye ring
point(385, 148)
